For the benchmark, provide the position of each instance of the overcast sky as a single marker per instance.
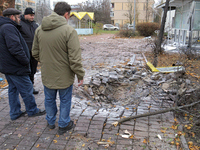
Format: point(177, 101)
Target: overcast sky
point(71, 2)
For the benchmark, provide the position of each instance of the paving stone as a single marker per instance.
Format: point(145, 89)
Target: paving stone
point(95, 130)
point(89, 112)
point(12, 141)
point(84, 128)
point(93, 146)
point(139, 133)
point(96, 126)
point(7, 146)
point(125, 142)
point(111, 137)
point(97, 118)
point(23, 147)
point(82, 124)
point(124, 147)
point(57, 146)
point(95, 136)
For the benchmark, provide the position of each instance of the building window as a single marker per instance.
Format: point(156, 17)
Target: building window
point(112, 5)
point(112, 14)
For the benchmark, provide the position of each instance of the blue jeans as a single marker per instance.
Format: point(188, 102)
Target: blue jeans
point(20, 85)
point(65, 105)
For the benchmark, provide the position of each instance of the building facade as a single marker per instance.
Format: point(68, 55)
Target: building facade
point(23, 4)
point(122, 11)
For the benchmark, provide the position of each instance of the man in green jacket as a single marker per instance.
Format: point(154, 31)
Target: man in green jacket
point(56, 46)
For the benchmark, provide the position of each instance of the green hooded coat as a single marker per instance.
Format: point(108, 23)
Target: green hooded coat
point(56, 46)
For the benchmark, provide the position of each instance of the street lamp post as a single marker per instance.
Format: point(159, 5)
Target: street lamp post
point(134, 14)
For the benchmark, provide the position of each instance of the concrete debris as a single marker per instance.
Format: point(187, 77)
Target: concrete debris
point(130, 63)
point(127, 84)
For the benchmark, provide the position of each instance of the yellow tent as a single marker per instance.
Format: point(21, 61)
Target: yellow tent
point(85, 15)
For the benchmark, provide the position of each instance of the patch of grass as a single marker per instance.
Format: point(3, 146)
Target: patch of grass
point(106, 31)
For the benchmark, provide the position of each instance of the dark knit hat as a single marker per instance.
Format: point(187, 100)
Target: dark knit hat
point(11, 11)
point(29, 10)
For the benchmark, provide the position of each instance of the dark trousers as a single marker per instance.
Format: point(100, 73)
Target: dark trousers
point(33, 64)
point(23, 86)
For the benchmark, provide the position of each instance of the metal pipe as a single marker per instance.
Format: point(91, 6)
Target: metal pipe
point(134, 14)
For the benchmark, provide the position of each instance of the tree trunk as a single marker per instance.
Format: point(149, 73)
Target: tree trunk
point(160, 37)
point(4, 4)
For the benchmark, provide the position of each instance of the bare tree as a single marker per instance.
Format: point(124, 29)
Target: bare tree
point(148, 10)
point(4, 4)
point(42, 10)
point(101, 9)
point(130, 12)
point(160, 36)
point(158, 12)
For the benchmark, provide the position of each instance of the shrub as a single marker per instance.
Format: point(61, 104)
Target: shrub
point(127, 33)
point(97, 27)
point(147, 28)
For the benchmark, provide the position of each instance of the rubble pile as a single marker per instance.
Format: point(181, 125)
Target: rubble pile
point(112, 85)
point(127, 84)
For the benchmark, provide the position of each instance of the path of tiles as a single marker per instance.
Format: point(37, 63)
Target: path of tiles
point(92, 122)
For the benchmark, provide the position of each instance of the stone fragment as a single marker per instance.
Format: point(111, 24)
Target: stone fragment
point(98, 76)
point(145, 93)
point(168, 76)
point(112, 73)
point(113, 78)
point(120, 70)
point(105, 74)
point(127, 67)
point(191, 90)
point(102, 89)
point(181, 91)
point(144, 74)
point(134, 77)
point(165, 86)
point(130, 63)
point(188, 82)
point(96, 97)
point(96, 82)
point(155, 76)
point(104, 80)
point(89, 90)
point(148, 80)
point(87, 80)
point(138, 73)
point(133, 69)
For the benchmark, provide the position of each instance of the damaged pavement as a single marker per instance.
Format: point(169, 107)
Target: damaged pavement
point(117, 85)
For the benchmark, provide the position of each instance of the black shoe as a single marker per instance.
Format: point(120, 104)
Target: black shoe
point(22, 114)
point(67, 128)
point(51, 126)
point(35, 92)
point(39, 113)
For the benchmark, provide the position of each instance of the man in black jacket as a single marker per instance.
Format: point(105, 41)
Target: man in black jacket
point(28, 27)
point(15, 64)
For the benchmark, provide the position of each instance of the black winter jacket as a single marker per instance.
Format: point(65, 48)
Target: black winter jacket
point(14, 53)
point(28, 31)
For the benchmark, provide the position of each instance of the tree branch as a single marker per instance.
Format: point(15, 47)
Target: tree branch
point(154, 113)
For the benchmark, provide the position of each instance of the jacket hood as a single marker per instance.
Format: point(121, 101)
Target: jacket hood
point(6, 20)
point(53, 21)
